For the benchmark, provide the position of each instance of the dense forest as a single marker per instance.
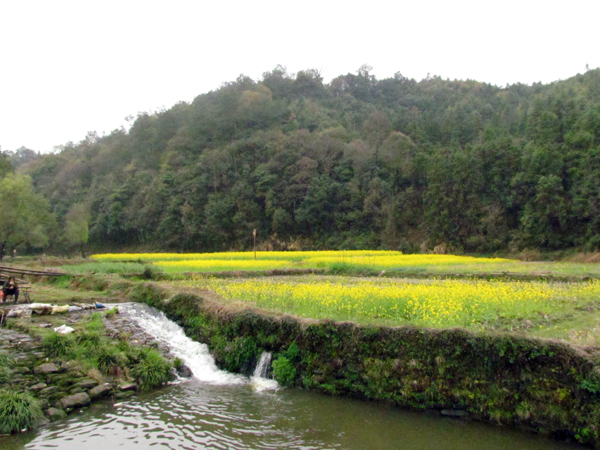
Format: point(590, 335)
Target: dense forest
point(357, 163)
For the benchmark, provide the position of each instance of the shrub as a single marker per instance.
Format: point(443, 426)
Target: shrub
point(284, 371)
point(58, 345)
point(152, 370)
point(150, 273)
point(18, 411)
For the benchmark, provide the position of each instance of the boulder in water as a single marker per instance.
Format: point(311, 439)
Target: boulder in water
point(184, 371)
point(100, 391)
point(128, 387)
point(75, 401)
point(55, 414)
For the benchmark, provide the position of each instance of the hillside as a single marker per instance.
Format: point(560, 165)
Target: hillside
point(356, 163)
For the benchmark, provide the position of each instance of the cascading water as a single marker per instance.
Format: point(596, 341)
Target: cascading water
point(193, 354)
point(259, 379)
point(262, 368)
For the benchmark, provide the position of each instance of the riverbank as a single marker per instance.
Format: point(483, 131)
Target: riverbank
point(64, 381)
point(545, 386)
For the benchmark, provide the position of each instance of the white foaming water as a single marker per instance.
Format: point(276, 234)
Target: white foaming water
point(262, 368)
point(194, 354)
point(259, 379)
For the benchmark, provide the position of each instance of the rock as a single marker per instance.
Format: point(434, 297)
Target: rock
point(88, 383)
point(63, 379)
point(48, 390)
point(47, 368)
point(39, 386)
point(128, 387)
point(75, 401)
point(184, 371)
point(66, 365)
point(22, 370)
point(100, 391)
point(124, 395)
point(453, 413)
point(76, 390)
point(55, 414)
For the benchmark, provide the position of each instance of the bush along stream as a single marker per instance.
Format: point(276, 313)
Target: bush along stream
point(45, 375)
point(544, 386)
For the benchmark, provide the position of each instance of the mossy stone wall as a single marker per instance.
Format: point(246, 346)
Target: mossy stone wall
point(550, 387)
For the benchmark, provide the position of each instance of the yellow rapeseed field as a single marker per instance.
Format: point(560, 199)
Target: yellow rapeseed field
point(358, 260)
point(431, 303)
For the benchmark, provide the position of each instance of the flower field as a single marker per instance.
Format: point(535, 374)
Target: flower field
point(348, 260)
point(431, 303)
point(355, 262)
point(396, 299)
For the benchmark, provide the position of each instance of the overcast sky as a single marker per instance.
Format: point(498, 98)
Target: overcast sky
point(69, 67)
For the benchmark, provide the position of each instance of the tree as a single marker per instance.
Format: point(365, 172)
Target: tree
point(5, 165)
point(25, 216)
point(76, 231)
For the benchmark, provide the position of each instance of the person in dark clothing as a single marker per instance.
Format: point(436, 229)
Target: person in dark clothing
point(11, 288)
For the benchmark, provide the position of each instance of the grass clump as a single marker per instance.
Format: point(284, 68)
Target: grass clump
point(152, 370)
point(111, 313)
point(7, 362)
point(111, 361)
point(18, 411)
point(58, 345)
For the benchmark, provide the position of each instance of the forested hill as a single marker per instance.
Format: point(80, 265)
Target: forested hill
point(356, 163)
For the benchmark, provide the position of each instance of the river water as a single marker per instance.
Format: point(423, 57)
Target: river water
point(218, 410)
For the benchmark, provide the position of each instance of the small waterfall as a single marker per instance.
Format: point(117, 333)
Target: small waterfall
point(259, 379)
point(262, 368)
point(194, 354)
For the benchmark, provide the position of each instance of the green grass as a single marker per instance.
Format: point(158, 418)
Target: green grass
point(18, 411)
point(98, 267)
point(152, 370)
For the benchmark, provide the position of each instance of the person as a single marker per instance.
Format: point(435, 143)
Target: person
point(11, 288)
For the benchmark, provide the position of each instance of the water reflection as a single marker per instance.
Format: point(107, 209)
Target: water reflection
point(196, 415)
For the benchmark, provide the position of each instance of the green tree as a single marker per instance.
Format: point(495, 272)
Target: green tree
point(25, 217)
point(76, 229)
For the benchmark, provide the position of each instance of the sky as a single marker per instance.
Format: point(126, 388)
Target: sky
point(71, 67)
